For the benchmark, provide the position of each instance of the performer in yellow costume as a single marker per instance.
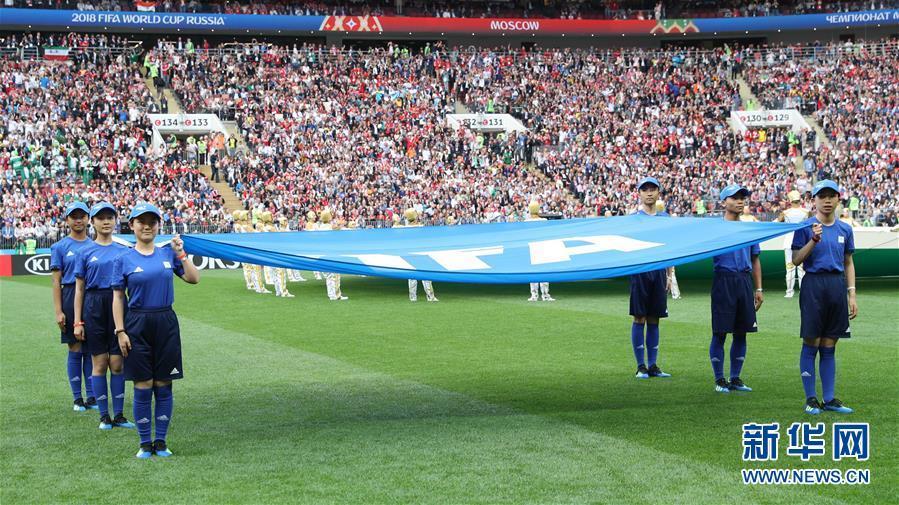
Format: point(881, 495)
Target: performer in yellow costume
point(258, 272)
point(413, 222)
point(534, 215)
point(240, 226)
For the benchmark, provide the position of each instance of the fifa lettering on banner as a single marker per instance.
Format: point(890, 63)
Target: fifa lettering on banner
point(851, 441)
point(806, 440)
point(760, 441)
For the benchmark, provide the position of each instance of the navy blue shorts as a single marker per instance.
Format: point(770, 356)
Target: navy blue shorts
point(67, 336)
point(648, 296)
point(99, 325)
point(733, 303)
point(824, 306)
point(155, 345)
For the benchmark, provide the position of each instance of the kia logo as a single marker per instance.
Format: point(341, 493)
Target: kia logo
point(38, 264)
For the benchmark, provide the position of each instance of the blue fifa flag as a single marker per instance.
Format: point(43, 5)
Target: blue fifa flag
point(499, 253)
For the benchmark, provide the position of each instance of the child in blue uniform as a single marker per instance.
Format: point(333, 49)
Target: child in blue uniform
point(827, 299)
point(149, 337)
point(93, 314)
point(62, 263)
point(733, 303)
point(649, 300)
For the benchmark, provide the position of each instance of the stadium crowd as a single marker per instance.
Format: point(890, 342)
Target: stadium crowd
point(854, 92)
point(365, 134)
point(298, 109)
point(661, 112)
point(79, 131)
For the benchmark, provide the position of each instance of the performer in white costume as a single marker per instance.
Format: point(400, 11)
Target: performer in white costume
point(536, 287)
point(292, 275)
point(672, 272)
point(277, 275)
point(795, 214)
point(332, 280)
point(413, 222)
point(310, 226)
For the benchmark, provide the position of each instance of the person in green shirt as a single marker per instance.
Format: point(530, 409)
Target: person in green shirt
point(854, 205)
point(30, 246)
point(201, 150)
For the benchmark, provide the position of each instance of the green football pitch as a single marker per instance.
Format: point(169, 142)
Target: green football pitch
point(481, 398)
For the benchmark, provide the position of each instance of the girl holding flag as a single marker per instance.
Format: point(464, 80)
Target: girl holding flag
point(149, 336)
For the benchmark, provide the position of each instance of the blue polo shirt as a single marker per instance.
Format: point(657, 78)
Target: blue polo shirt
point(660, 213)
point(148, 279)
point(736, 261)
point(828, 255)
point(94, 264)
point(63, 255)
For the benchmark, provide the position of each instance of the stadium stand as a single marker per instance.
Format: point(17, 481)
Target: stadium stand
point(364, 132)
point(673, 124)
point(79, 131)
point(851, 90)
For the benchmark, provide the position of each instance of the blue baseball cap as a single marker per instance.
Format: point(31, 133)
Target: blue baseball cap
point(825, 184)
point(102, 206)
point(732, 190)
point(649, 180)
point(144, 208)
point(72, 207)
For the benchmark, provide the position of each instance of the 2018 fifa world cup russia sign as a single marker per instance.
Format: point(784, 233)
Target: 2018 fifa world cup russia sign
point(236, 23)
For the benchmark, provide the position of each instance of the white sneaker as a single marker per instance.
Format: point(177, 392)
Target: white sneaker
point(532, 299)
point(548, 299)
point(433, 300)
point(788, 295)
point(413, 299)
point(341, 297)
point(288, 295)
